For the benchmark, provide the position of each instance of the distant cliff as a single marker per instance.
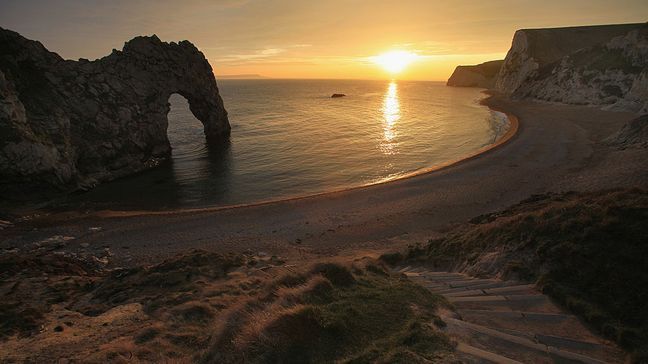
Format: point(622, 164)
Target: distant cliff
point(600, 65)
point(67, 124)
point(605, 66)
point(482, 75)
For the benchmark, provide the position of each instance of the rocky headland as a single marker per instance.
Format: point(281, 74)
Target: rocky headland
point(482, 75)
point(605, 66)
point(66, 125)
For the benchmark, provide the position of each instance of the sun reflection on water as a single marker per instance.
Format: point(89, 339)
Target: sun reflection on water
point(391, 115)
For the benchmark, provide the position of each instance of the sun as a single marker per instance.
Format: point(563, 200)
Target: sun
point(394, 61)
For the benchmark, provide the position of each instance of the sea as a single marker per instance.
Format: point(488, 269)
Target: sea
point(290, 138)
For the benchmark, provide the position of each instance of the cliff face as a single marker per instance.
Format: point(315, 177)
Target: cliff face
point(597, 65)
point(68, 124)
point(482, 75)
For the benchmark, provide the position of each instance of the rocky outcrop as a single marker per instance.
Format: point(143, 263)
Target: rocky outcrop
point(69, 124)
point(482, 75)
point(595, 65)
point(633, 134)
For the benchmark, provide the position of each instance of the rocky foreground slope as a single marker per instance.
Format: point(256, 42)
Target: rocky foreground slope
point(594, 65)
point(69, 124)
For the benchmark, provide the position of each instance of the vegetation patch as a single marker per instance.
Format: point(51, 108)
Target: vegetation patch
point(207, 307)
point(339, 314)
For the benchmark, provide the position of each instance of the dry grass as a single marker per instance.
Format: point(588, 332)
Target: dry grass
point(207, 307)
point(330, 313)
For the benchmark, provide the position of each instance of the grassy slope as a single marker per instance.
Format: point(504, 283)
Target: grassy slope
point(589, 251)
point(331, 314)
point(208, 307)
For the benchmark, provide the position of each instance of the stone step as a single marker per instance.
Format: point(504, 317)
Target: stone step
point(421, 277)
point(435, 275)
point(511, 322)
point(476, 355)
point(415, 269)
point(465, 293)
point(511, 346)
point(469, 282)
point(524, 297)
point(443, 279)
point(480, 286)
point(435, 278)
point(432, 286)
point(531, 303)
point(403, 269)
point(518, 289)
point(562, 325)
point(452, 283)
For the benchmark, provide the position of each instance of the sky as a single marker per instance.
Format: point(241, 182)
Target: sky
point(309, 38)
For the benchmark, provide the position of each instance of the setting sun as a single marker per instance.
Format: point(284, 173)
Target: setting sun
point(395, 61)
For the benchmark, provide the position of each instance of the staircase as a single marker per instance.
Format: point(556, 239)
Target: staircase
point(498, 321)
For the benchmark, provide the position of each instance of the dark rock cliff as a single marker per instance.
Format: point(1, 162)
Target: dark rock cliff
point(482, 75)
point(72, 124)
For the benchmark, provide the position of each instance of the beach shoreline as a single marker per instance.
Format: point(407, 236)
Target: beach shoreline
point(547, 148)
point(503, 139)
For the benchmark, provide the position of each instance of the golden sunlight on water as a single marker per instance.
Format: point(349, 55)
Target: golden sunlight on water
point(289, 138)
point(391, 115)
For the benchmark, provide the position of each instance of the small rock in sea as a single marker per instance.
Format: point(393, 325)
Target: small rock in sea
point(337, 95)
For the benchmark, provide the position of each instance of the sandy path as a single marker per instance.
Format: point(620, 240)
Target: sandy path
point(555, 149)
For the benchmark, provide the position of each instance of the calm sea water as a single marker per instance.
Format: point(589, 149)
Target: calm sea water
point(290, 138)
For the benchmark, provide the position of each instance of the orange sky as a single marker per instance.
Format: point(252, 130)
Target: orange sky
point(309, 39)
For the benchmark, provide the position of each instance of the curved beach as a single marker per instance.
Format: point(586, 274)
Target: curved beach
point(556, 148)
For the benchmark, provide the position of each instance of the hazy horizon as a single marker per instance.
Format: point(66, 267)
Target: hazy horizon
point(288, 39)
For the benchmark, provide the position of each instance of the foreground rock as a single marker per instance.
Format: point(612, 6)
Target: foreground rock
point(67, 124)
point(482, 75)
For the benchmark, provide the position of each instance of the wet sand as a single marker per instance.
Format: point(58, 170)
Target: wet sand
point(556, 148)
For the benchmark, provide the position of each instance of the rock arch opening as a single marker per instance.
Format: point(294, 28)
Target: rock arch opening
point(184, 130)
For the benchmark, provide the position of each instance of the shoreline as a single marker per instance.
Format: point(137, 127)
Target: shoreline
point(503, 139)
point(549, 149)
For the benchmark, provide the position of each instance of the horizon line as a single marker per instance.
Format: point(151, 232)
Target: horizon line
point(266, 78)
